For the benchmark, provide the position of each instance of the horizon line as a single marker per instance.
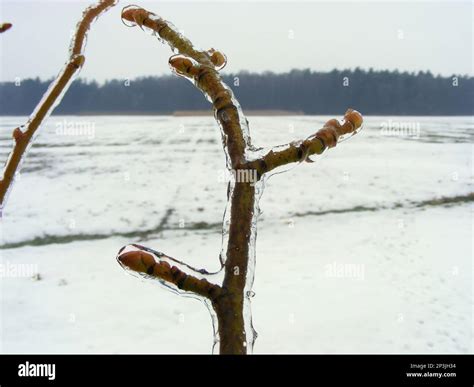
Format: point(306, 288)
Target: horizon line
point(262, 73)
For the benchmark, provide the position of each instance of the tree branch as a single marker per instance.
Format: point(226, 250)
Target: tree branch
point(24, 138)
point(327, 137)
point(172, 272)
point(201, 67)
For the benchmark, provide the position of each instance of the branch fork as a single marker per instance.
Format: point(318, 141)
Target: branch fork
point(229, 297)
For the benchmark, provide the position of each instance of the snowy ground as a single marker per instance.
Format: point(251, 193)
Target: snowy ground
point(351, 258)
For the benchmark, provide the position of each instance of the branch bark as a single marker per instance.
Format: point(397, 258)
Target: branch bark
point(23, 136)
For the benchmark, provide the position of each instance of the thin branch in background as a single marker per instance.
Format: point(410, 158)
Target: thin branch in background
point(23, 136)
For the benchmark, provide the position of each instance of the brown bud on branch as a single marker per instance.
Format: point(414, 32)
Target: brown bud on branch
point(5, 27)
point(144, 262)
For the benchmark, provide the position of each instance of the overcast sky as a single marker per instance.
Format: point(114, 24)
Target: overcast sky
point(255, 36)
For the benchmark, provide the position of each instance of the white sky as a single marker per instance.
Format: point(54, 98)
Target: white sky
point(255, 36)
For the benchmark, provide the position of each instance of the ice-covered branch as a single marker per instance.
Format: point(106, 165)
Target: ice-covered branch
point(232, 306)
point(201, 67)
point(23, 136)
point(327, 137)
point(172, 273)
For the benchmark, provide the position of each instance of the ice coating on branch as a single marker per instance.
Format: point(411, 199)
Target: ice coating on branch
point(172, 27)
point(258, 154)
point(187, 67)
point(173, 275)
point(284, 157)
point(168, 271)
point(243, 122)
point(355, 118)
point(153, 24)
point(89, 17)
point(77, 61)
point(226, 221)
point(250, 332)
point(218, 59)
point(183, 66)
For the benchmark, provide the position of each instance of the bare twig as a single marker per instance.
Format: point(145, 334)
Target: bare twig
point(24, 136)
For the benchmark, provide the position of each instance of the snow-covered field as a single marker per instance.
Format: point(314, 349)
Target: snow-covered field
point(354, 254)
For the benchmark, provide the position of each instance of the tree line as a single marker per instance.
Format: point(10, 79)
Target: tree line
point(305, 91)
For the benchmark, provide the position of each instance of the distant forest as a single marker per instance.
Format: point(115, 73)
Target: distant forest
point(305, 91)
